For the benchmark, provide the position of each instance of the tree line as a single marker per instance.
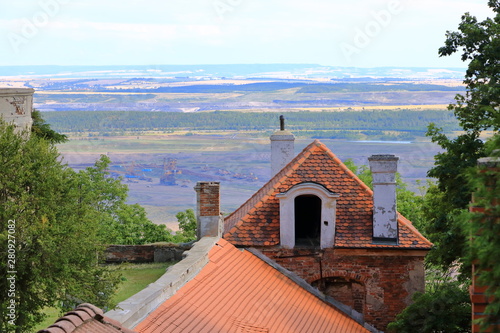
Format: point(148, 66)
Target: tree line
point(379, 120)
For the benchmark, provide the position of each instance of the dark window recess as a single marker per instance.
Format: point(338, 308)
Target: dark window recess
point(349, 292)
point(307, 220)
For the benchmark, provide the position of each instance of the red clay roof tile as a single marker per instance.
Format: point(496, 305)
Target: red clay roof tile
point(254, 223)
point(86, 318)
point(238, 292)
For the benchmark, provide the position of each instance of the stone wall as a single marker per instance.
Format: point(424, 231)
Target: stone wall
point(16, 105)
point(378, 284)
point(116, 254)
point(134, 309)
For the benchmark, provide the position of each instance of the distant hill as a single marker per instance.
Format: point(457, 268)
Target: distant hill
point(276, 71)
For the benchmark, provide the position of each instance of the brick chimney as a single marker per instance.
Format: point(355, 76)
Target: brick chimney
point(282, 148)
point(209, 220)
point(385, 224)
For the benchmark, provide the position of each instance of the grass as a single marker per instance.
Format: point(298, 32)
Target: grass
point(52, 315)
point(135, 278)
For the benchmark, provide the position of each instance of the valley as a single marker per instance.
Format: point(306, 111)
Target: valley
point(239, 161)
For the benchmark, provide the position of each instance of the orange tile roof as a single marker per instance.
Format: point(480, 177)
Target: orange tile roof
point(86, 318)
point(256, 222)
point(238, 292)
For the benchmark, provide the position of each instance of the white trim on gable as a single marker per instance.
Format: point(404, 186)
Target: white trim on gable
point(287, 213)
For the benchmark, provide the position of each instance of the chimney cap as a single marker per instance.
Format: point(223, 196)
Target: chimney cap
point(282, 134)
point(489, 162)
point(383, 157)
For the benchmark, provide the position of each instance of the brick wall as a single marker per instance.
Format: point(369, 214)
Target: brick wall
point(145, 253)
point(208, 199)
point(208, 216)
point(478, 297)
point(379, 285)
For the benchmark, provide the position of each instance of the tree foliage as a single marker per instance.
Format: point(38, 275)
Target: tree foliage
point(55, 223)
point(478, 110)
point(449, 198)
point(41, 129)
point(48, 235)
point(484, 226)
point(324, 124)
point(408, 202)
point(187, 226)
point(479, 43)
point(446, 308)
point(119, 222)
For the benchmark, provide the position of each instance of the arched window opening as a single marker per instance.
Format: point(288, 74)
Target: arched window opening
point(307, 220)
point(307, 216)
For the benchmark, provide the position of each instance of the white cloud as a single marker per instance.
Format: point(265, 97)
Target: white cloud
point(138, 31)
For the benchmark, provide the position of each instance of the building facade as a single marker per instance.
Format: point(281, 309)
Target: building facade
point(319, 220)
point(16, 106)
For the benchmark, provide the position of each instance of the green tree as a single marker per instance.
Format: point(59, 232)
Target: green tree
point(449, 198)
point(445, 308)
point(362, 171)
point(55, 222)
point(131, 226)
point(119, 222)
point(48, 235)
point(484, 226)
point(477, 111)
point(409, 203)
point(187, 226)
point(479, 43)
point(41, 129)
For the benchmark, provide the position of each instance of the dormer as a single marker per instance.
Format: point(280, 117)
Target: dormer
point(307, 216)
point(317, 185)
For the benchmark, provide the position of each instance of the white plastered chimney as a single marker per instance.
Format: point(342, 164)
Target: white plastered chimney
point(282, 148)
point(385, 224)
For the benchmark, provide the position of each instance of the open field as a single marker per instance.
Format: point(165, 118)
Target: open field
point(280, 100)
point(135, 278)
point(212, 93)
point(198, 144)
point(350, 108)
point(240, 161)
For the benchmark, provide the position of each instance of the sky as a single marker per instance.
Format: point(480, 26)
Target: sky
point(352, 33)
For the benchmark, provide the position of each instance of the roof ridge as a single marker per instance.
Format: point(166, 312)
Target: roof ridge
point(249, 295)
point(345, 168)
point(401, 219)
point(239, 225)
point(268, 187)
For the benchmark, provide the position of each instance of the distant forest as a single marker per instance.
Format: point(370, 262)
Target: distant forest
point(384, 125)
